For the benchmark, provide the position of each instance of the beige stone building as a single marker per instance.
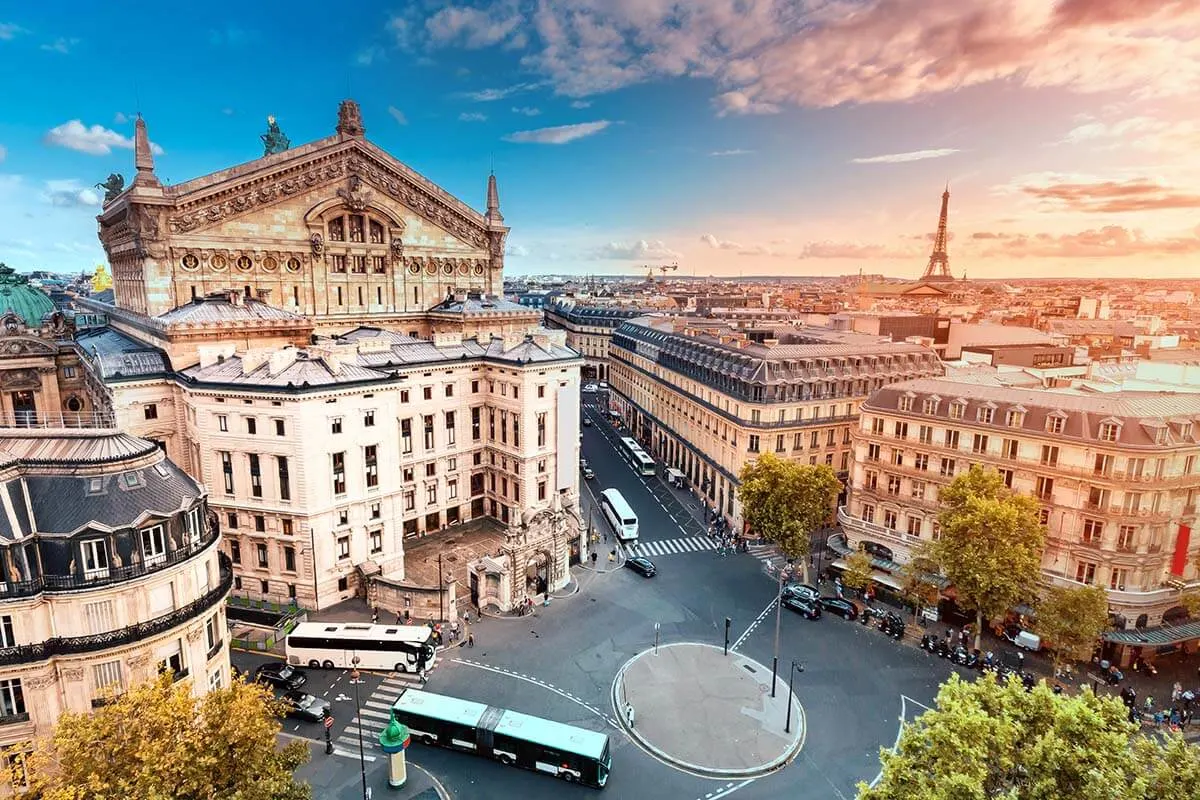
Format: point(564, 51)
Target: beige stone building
point(111, 572)
point(316, 336)
point(706, 396)
point(589, 331)
point(1117, 472)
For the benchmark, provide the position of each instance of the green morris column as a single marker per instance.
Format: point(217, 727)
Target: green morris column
point(394, 740)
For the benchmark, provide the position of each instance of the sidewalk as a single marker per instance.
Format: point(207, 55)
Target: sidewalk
point(336, 777)
point(707, 712)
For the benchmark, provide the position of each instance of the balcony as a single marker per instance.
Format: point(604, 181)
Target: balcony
point(109, 575)
point(876, 531)
point(75, 645)
point(55, 421)
point(1125, 598)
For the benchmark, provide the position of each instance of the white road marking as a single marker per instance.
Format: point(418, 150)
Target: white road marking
point(757, 620)
point(904, 701)
point(543, 684)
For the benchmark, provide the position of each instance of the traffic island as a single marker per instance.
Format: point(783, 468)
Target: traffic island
point(708, 713)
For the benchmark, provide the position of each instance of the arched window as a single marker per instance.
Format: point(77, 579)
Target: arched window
point(337, 231)
point(376, 233)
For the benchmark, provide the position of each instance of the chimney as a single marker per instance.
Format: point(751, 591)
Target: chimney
point(235, 297)
point(281, 360)
point(214, 354)
point(264, 295)
point(328, 354)
point(510, 340)
point(254, 358)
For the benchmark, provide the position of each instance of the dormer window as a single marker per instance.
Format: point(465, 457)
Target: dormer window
point(957, 409)
point(95, 485)
point(1109, 431)
point(1015, 417)
point(906, 401)
point(1185, 430)
point(986, 414)
point(930, 406)
point(1056, 423)
point(1160, 435)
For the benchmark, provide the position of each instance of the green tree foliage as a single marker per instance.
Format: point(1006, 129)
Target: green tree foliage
point(917, 584)
point(990, 546)
point(1071, 620)
point(158, 741)
point(985, 740)
point(857, 574)
point(785, 502)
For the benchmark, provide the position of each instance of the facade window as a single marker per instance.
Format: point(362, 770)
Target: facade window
point(1049, 455)
point(376, 512)
point(287, 527)
point(235, 551)
point(476, 433)
point(1116, 579)
point(212, 639)
point(227, 471)
point(255, 476)
point(335, 425)
point(814, 440)
point(95, 558)
point(222, 423)
point(1093, 530)
point(285, 483)
point(343, 547)
point(154, 545)
point(407, 474)
point(868, 513)
point(516, 430)
point(106, 679)
point(431, 469)
point(449, 390)
point(929, 406)
point(260, 553)
point(889, 519)
point(1103, 464)
point(289, 558)
point(873, 451)
point(1126, 538)
point(450, 429)
point(900, 431)
point(1044, 488)
point(979, 444)
point(925, 434)
point(368, 419)
point(7, 639)
point(541, 391)
point(1055, 424)
point(452, 489)
point(404, 395)
point(897, 457)
point(343, 584)
point(339, 473)
point(779, 448)
point(260, 523)
point(951, 439)
point(371, 465)
point(877, 426)
point(474, 387)
point(918, 490)
point(343, 517)
point(376, 540)
point(150, 410)
point(280, 428)
point(893, 485)
point(541, 430)
point(753, 447)
point(1009, 448)
point(251, 426)
point(410, 500)
point(947, 468)
point(406, 444)
point(871, 480)
point(921, 461)
point(1006, 475)
point(12, 699)
point(427, 392)
point(957, 409)
point(1085, 572)
point(428, 426)
point(1109, 431)
point(914, 526)
point(1014, 419)
point(431, 494)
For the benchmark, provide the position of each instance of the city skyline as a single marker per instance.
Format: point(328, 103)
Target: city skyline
point(625, 134)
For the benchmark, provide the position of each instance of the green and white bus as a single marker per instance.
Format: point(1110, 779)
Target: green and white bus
point(576, 755)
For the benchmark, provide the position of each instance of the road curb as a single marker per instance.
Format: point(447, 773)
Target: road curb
point(696, 769)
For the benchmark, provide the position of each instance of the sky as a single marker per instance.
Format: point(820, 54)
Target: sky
point(730, 137)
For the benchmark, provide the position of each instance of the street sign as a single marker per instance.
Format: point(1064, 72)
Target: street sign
point(329, 722)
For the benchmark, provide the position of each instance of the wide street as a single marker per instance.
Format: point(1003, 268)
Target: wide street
point(561, 662)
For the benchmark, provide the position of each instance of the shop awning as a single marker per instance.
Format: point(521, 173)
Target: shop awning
point(876, 575)
point(1166, 634)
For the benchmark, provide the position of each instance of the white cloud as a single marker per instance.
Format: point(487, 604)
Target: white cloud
point(741, 249)
point(901, 158)
point(369, 55)
point(559, 134)
point(528, 111)
point(398, 115)
point(734, 152)
point(741, 103)
point(719, 244)
point(516, 250)
point(70, 194)
point(95, 140)
point(120, 118)
point(1148, 134)
point(472, 116)
point(491, 95)
point(581, 104)
point(474, 28)
point(60, 45)
point(653, 250)
point(9, 30)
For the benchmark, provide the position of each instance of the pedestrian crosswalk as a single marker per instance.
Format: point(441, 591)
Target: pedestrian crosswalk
point(373, 714)
point(670, 547)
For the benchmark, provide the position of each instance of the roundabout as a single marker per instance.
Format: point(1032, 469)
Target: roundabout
point(707, 713)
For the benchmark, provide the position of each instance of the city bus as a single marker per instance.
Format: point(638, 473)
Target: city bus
point(636, 456)
point(576, 755)
point(619, 515)
point(329, 645)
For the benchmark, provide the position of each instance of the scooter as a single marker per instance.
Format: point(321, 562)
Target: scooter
point(960, 656)
point(942, 648)
point(927, 642)
point(973, 660)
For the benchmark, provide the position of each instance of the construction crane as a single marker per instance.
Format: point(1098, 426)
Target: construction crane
point(662, 268)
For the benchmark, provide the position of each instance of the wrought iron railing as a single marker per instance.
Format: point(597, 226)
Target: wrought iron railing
point(55, 420)
point(61, 583)
point(74, 645)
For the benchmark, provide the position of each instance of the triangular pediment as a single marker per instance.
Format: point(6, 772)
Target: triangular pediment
point(252, 188)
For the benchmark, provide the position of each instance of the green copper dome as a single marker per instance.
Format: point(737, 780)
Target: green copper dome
point(18, 296)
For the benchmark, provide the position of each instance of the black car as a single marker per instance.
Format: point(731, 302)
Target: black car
point(836, 605)
point(588, 473)
point(809, 608)
point(302, 705)
point(280, 675)
point(803, 591)
point(642, 566)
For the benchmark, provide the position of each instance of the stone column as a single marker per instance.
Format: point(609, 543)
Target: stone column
point(51, 402)
point(394, 740)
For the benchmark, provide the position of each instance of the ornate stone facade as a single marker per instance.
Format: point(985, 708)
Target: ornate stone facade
point(534, 561)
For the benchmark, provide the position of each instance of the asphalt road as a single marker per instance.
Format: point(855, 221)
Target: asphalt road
point(560, 663)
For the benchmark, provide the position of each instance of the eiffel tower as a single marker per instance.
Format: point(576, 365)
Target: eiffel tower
point(938, 269)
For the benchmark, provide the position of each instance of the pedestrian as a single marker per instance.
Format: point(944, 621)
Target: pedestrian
point(454, 631)
point(1176, 691)
point(424, 676)
point(1149, 703)
point(399, 618)
point(407, 616)
point(470, 639)
point(375, 616)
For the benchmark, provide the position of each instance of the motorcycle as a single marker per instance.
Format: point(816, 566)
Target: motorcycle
point(973, 660)
point(927, 642)
point(943, 648)
point(989, 662)
point(960, 656)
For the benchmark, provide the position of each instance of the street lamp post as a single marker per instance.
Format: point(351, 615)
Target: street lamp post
point(778, 605)
point(796, 667)
point(362, 757)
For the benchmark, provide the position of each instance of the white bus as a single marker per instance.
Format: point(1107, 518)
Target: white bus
point(329, 645)
point(619, 515)
point(638, 458)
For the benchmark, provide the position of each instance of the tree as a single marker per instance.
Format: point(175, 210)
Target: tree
point(917, 580)
point(857, 573)
point(990, 546)
point(158, 741)
point(988, 740)
point(1072, 619)
point(784, 502)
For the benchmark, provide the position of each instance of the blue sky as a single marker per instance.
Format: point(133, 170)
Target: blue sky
point(760, 137)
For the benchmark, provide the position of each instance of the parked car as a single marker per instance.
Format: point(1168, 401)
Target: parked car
point(836, 605)
point(587, 422)
point(809, 608)
point(602, 385)
point(588, 473)
point(588, 388)
point(303, 705)
point(280, 675)
point(802, 591)
point(642, 566)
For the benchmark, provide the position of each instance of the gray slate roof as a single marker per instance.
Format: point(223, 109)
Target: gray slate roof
point(217, 308)
point(480, 306)
point(118, 356)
